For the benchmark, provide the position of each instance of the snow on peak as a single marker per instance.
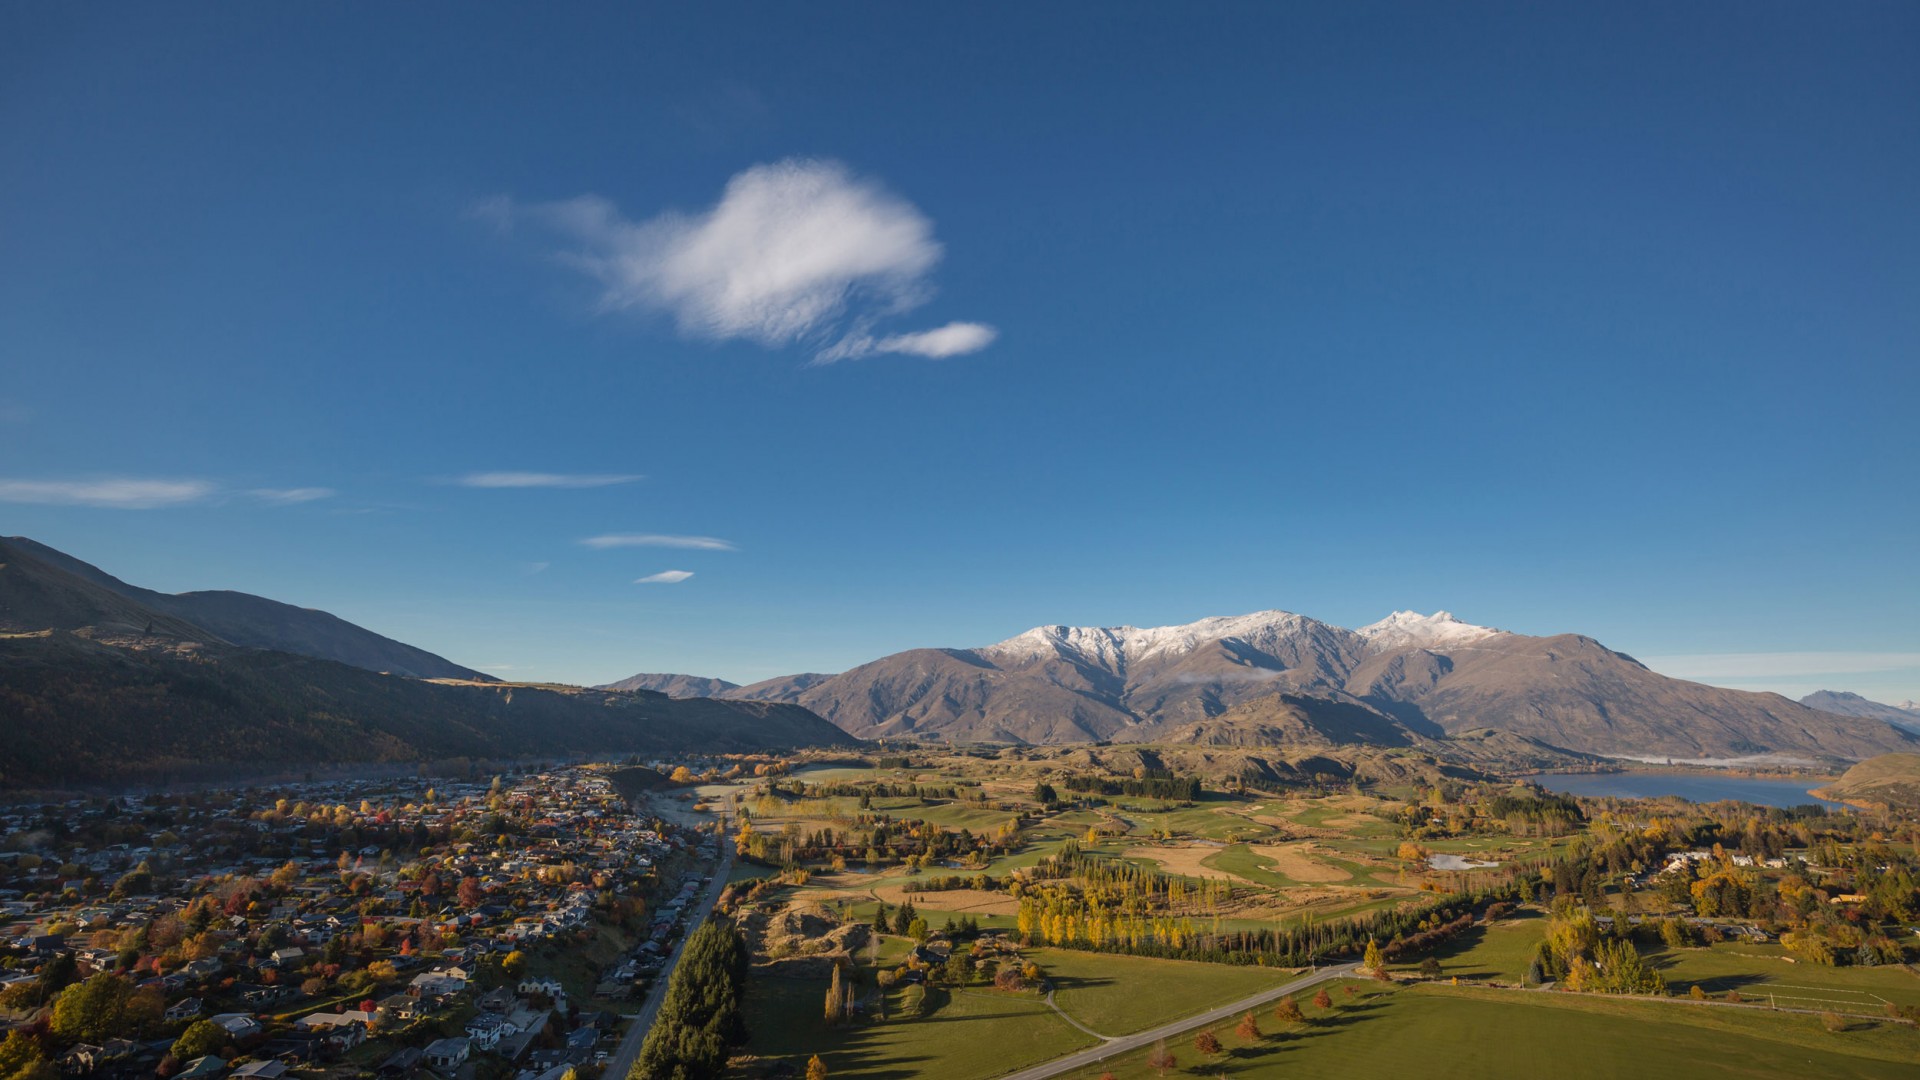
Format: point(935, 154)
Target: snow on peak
point(1114, 647)
point(1410, 629)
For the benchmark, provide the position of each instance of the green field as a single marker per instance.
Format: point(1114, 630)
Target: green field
point(1439, 1033)
point(1119, 995)
point(1498, 951)
point(1763, 971)
point(963, 1035)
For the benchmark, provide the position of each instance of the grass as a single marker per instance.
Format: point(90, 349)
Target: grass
point(1498, 951)
point(1438, 1033)
point(962, 1035)
point(1762, 971)
point(1119, 995)
point(1243, 862)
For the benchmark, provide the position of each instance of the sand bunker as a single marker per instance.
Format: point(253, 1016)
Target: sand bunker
point(1184, 860)
point(1297, 862)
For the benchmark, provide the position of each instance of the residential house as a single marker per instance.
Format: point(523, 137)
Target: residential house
point(202, 1068)
point(447, 1054)
point(238, 1025)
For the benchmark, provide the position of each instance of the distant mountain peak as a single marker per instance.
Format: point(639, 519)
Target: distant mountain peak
point(1847, 703)
point(1410, 629)
point(1115, 647)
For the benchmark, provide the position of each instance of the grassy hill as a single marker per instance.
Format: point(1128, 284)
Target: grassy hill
point(1891, 779)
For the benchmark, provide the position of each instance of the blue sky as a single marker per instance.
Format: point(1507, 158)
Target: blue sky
point(949, 323)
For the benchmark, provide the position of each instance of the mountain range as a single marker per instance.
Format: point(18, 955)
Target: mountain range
point(1906, 714)
point(1407, 677)
point(102, 682)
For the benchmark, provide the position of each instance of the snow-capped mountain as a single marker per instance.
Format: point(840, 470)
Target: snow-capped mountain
point(1116, 648)
point(1437, 632)
point(1423, 675)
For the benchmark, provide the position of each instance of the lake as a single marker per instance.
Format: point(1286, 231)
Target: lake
point(1687, 785)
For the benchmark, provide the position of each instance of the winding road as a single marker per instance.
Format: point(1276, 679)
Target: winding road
point(1114, 1047)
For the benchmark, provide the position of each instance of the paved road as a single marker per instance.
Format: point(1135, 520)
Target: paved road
point(621, 1063)
point(1129, 1043)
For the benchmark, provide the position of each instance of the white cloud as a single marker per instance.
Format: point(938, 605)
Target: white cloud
point(545, 480)
point(692, 543)
point(291, 496)
point(119, 493)
point(664, 577)
point(793, 251)
point(1779, 664)
point(953, 339)
point(538, 567)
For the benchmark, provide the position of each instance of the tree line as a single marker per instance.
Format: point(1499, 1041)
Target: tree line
point(701, 1015)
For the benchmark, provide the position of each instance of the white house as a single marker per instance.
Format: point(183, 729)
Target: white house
point(238, 1025)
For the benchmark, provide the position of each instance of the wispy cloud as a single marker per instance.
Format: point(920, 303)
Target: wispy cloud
point(538, 567)
point(691, 543)
point(118, 493)
point(953, 339)
point(146, 493)
point(664, 577)
point(291, 496)
point(1779, 664)
point(545, 480)
point(795, 251)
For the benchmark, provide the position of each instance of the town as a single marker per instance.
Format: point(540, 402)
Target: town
point(490, 928)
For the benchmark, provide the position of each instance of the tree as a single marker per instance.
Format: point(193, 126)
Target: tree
point(468, 893)
point(1206, 1042)
point(1323, 1000)
point(1287, 1011)
point(681, 775)
point(1160, 1059)
point(1249, 1028)
point(513, 964)
point(1430, 968)
point(836, 1003)
point(21, 1059)
point(959, 969)
point(201, 1038)
point(701, 1014)
point(93, 1011)
point(1373, 961)
point(917, 929)
point(816, 1069)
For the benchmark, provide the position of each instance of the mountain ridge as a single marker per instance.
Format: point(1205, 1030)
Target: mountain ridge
point(1063, 684)
point(100, 686)
point(1847, 703)
point(228, 616)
